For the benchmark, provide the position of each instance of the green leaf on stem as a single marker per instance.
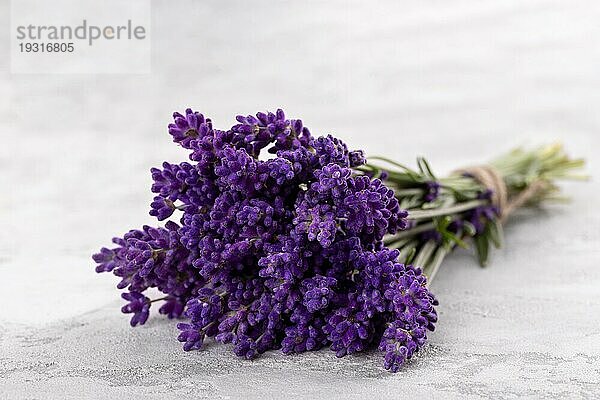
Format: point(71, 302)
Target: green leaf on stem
point(425, 168)
point(411, 255)
point(469, 228)
point(496, 233)
point(482, 247)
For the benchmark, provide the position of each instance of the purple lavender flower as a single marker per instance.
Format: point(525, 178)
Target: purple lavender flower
point(318, 223)
point(400, 342)
point(331, 150)
point(172, 308)
point(166, 182)
point(408, 297)
point(304, 337)
point(162, 208)
point(433, 235)
point(191, 336)
point(357, 158)
point(480, 216)
point(255, 133)
point(237, 170)
point(178, 182)
point(106, 260)
point(373, 209)
point(318, 292)
point(152, 257)
point(139, 306)
point(271, 252)
point(188, 127)
point(349, 329)
point(432, 191)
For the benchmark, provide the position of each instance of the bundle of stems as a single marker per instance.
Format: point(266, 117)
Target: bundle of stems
point(471, 204)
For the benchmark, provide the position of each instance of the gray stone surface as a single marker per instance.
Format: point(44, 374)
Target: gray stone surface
point(456, 81)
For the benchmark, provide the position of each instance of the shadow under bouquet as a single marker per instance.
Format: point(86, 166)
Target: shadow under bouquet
point(275, 239)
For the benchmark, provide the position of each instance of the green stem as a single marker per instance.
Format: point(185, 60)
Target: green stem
point(432, 269)
point(392, 162)
point(408, 192)
point(397, 244)
point(411, 232)
point(159, 299)
point(424, 253)
point(407, 250)
point(426, 214)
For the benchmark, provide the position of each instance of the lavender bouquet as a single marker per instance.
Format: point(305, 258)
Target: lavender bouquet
point(310, 245)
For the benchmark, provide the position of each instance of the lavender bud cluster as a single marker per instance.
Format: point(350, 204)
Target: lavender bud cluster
point(281, 252)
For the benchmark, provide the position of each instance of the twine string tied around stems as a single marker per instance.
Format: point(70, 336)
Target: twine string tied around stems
point(491, 179)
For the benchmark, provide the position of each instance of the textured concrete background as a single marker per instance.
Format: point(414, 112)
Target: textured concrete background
point(456, 81)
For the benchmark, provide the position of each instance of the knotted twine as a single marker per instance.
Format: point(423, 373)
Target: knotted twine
point(491, 179)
